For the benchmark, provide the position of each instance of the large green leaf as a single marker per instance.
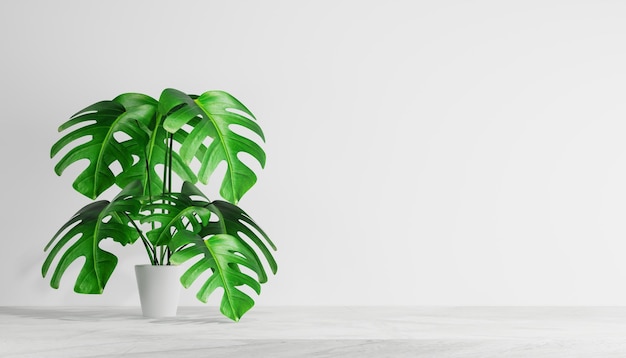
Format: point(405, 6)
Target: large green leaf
point(97, 124)
point(234, 221)
point(222, 254)
point(135, 115)
point(92, 224)
point(156, 154)
point(212, 115)
point(131, 101)
point(223, 248)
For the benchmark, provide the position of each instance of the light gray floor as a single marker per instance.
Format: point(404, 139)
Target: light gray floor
point(316, 332)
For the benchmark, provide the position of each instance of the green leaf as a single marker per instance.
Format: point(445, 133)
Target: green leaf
point(135, 115)
point(235, 222)
point(173, 212)
point(221, 254)
point(224, 246)
point(232, 220)
point(211, 115)
point(92, 224)
point(154, 150)
point(97, 124)
point(157, 154)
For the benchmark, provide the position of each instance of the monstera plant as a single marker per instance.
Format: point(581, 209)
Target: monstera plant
point(144, 146)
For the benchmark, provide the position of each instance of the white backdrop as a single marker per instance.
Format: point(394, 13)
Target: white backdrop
point(419, 153)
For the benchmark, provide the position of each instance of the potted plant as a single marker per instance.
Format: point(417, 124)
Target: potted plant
point(142, 145)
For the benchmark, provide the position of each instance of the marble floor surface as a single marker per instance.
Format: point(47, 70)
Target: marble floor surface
point(316, 332)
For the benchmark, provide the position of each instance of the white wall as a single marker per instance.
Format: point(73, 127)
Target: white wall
point(419, 153)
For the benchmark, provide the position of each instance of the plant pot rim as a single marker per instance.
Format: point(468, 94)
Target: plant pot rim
point(145, 265)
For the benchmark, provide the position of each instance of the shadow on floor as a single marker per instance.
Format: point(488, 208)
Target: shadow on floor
point(102, 314)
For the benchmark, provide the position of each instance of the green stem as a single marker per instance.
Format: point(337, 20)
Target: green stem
point(167, 188)
point(182, 247)
point(169, 162)
point(167, 166)
point(163, 252)
point(165, 174)
point(148, 184)
point(145, 241)
point(147, 245)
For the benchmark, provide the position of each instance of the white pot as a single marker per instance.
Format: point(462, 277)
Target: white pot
point(159, 289)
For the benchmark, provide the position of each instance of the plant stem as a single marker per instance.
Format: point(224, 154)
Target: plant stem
point(171, 148)
point(167, 167)
point(167, 189)
point(152, 253)
point(147, 245)
point(163, 251)
point(145, 241)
